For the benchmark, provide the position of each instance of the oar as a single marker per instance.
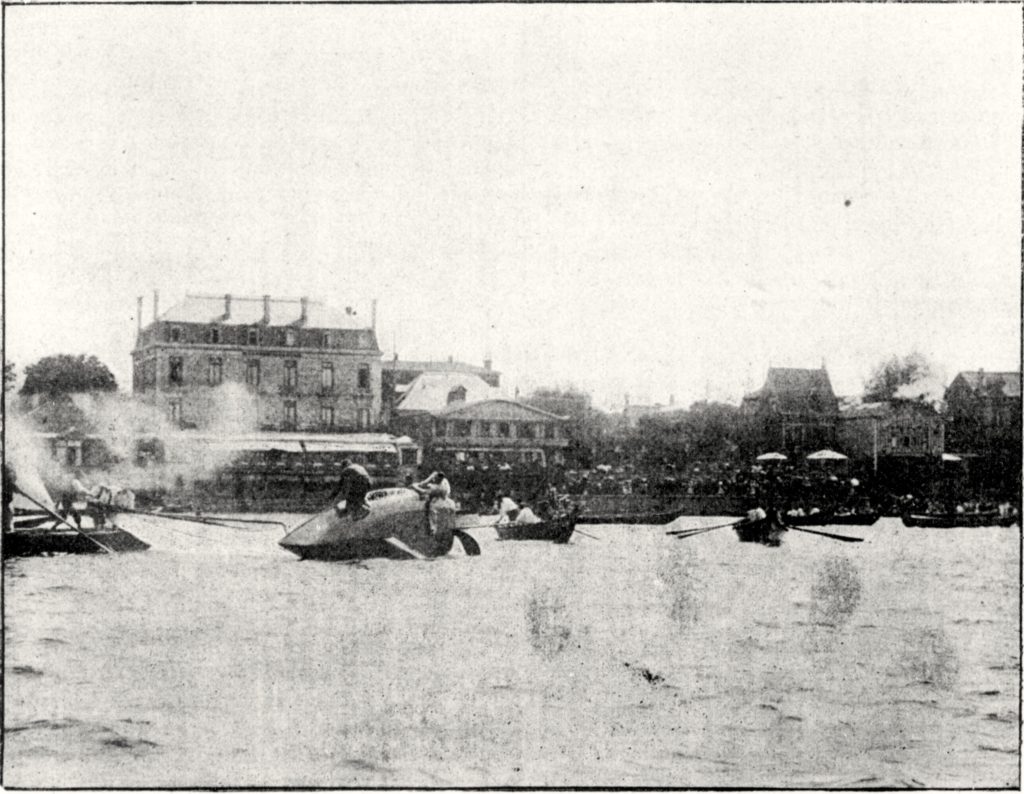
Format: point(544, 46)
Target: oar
point(168, 516)
point(697, 532)
point(584, 534)
point(703, 529)
point(79, 530)
point(469, 544)
point(847, 538)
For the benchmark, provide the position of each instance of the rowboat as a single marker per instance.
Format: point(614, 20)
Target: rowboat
point(832, 519)
point(953, 520)
point(399, 525)
point(555, 530)
point(656, 518)
point(766, 531)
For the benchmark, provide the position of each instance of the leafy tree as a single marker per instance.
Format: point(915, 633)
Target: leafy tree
point(895, 372)
point(60, 375)
point(10, 376)
point(586, 427)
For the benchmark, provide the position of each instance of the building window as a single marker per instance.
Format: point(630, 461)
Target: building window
point(457, 395)
point(215, 372)
point(291, 414)
point(254, 336)
point(325, 339)
point(174, 333)
point(463, 429)
point(252, 372)
point(363, 377)
point(327, 415)
point(290, 337)
point(327, 376)
point(504, 429)
point(550, 430)
point(440, 427)
point(174, 411)
point(215, 336)
point(363, 418)
point(485, 428)
point(291, 374)
point(525, 430)
point(174, 374)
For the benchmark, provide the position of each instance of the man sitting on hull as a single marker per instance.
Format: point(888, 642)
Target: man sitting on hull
point(353, 485)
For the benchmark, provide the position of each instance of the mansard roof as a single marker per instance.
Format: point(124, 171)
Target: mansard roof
point(794, 389)
point(429, 391)
point(250, 311)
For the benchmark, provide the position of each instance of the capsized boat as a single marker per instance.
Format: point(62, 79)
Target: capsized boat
point(399, 524)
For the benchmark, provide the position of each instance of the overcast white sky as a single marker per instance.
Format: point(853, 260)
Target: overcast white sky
point(653, 199)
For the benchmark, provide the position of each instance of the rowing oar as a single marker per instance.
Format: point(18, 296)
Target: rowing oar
point(79, 530)
point(847, 538)
point(168, 516)
point(699, 532)
point(584, 534)
point(242, 520)
point(685, 532)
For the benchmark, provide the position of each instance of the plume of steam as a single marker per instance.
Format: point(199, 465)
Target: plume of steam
point(928, 388)
point(121, 421)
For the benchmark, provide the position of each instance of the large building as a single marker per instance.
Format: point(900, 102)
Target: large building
point(248, 364)
point(983, 424)
point(460, 417)
point(795, 411)
point(398, 374)
point(883, 431)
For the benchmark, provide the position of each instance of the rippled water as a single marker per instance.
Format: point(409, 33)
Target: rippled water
point(632, 659)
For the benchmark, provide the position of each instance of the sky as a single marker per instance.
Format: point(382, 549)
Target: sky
point(654, 200)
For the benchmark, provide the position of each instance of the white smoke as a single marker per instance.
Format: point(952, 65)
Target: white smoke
point(929, 389)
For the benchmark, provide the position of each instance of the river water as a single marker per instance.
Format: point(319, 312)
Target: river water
point(626, 659)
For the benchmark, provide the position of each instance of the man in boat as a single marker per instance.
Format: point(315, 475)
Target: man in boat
point(353, 485)
point(436, 486)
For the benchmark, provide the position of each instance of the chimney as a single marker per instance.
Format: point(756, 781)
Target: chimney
point(487, 363)
point(373, 314)
point(304, 316)
point(138, 314)
point(156, 304)
point(266, 310)
point(227, 306)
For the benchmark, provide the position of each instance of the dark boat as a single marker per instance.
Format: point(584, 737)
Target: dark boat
point(556, 530)
point(954, 520)
point(656, 518)
point(832, 519)
point(766, 531)
point(399, 525)
point(41, 541)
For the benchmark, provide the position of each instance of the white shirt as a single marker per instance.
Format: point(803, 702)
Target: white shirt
point(527, 516)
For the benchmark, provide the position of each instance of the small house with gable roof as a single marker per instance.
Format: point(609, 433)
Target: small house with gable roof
point(796, 411)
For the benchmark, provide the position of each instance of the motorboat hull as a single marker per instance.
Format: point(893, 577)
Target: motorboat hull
point(399, 524)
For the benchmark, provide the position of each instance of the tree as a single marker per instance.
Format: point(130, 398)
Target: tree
point(586, 427)
point(60, 375)
point(10, 376)
point(888, 377)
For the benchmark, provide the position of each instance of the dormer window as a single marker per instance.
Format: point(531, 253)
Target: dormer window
point(290, 337)
point(254, 336)
point(325, 339)
point(457, 395)
point(174, 333)
point(214, 336)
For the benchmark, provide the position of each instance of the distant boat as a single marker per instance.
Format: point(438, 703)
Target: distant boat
point(953, 520)
point(832, 519)
point(556, 530)
point(399, 525)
